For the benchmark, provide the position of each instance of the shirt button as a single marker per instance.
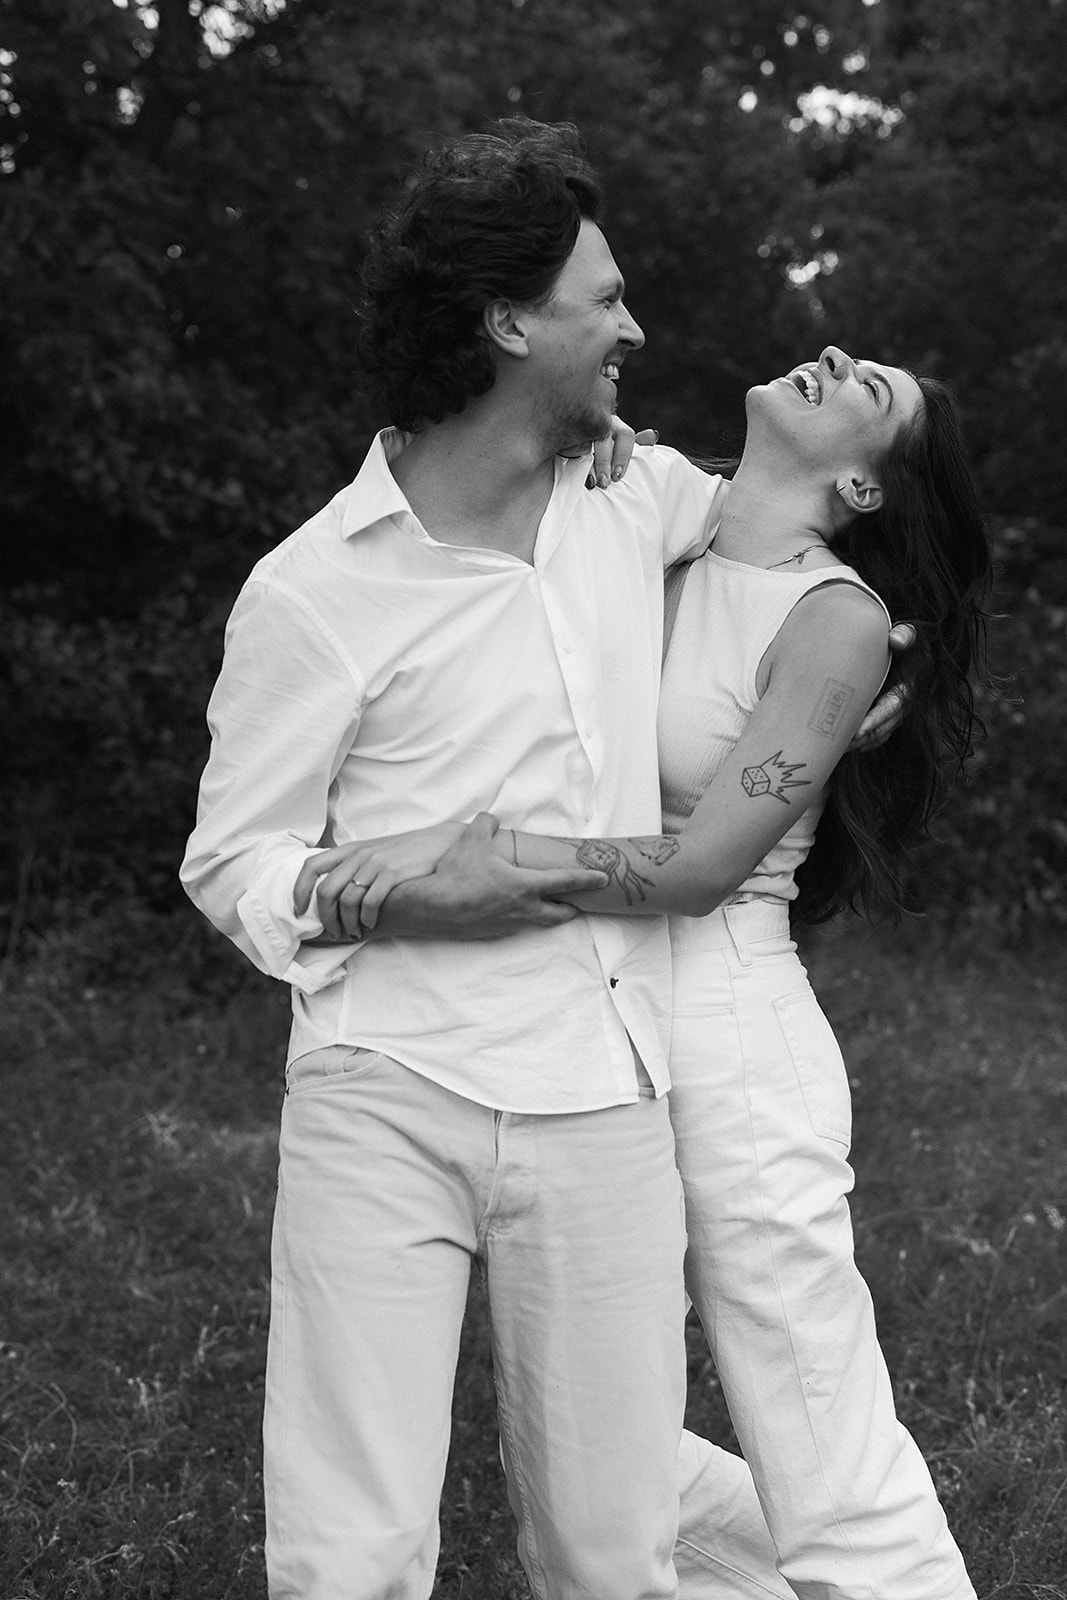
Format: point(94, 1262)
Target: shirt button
point(613, 982)
point(565, 646)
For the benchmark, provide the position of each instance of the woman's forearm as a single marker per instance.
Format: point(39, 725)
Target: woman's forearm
point(777, 769)
point(648, 875)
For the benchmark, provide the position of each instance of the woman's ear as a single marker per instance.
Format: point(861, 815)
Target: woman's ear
point(859, 494)
point(505, 326)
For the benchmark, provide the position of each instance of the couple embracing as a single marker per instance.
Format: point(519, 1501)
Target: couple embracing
point(525, 871)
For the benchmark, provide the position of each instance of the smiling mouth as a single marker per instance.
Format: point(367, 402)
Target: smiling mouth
point(807, 384)
point(610, 370)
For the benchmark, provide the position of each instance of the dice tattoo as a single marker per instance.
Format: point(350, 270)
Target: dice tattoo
point(773, 776)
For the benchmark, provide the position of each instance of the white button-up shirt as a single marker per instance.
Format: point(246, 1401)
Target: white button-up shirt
point(376, 680)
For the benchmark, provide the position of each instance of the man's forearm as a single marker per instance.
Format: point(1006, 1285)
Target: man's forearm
point(438, 907)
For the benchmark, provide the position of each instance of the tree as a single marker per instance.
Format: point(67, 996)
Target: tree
point(941, 224)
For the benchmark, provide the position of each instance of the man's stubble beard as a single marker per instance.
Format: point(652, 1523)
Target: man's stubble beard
point(577, 425)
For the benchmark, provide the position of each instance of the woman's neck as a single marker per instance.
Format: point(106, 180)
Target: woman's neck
point(774, 524)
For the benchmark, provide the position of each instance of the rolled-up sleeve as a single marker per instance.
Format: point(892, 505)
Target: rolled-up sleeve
point(283, 716)
point(691, 503)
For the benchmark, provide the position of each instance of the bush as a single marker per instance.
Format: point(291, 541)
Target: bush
point(999, 851)
point(104, 735)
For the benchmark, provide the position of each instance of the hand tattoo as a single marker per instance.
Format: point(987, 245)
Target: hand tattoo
point(773, 777)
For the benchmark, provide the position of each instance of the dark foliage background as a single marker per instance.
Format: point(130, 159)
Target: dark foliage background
point(184, 190)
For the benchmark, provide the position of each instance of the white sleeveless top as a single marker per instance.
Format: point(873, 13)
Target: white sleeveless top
point(727, 616)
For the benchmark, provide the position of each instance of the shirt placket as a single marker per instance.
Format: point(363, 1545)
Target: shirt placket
point(574, 640)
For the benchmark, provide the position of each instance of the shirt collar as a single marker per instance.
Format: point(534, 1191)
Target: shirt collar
point(374, 493)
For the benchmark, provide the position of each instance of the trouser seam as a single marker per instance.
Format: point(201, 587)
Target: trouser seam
point(725, 1566)
point(535, 1573)
point(783, 1304)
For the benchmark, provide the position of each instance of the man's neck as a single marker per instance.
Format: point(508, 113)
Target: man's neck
point(472, 483)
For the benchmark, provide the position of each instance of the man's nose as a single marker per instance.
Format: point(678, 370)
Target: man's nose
point(630, 332)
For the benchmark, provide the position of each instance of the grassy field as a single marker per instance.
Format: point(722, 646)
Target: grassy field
point(141, 1098)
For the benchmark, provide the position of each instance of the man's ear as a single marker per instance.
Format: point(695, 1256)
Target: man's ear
point(507, 327)
point(860, 494)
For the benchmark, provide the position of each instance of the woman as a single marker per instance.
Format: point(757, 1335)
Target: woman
point(852, 496)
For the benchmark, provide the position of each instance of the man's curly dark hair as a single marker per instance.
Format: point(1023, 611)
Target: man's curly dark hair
point(492, 216)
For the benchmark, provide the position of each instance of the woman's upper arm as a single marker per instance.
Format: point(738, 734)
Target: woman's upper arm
point(821, 673)
point(834, 647)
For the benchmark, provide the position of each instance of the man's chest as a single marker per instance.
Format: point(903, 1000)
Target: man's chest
point(471, 647)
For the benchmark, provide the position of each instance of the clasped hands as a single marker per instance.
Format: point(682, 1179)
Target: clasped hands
point(450, 881)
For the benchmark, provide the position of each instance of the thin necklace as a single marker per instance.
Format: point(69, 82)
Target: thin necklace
point(797, 556)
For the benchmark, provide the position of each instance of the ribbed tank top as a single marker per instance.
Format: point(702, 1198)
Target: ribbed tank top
point(727, 616)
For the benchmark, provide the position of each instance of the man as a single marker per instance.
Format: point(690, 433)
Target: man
point(465, 629)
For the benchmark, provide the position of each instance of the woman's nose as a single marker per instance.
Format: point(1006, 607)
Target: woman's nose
point(836, 362)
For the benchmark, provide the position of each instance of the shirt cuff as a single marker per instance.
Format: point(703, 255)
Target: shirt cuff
point(277, 933)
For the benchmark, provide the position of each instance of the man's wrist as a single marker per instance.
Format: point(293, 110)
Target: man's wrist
point(434, 906)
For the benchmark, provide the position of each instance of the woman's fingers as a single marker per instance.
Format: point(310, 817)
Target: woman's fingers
point(312, 870)
point(339, 897)
point(350, 909)
point(374, 897)
point(342, 879)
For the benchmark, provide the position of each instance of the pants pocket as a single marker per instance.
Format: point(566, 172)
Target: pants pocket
point(818, 1064)
point(336, 1063)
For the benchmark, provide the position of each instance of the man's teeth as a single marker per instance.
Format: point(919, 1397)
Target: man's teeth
point(610, 371)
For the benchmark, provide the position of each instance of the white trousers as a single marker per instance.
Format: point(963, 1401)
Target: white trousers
point(762, 1117)
point(389, 1187)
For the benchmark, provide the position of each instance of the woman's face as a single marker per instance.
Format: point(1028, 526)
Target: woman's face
point(836, 413)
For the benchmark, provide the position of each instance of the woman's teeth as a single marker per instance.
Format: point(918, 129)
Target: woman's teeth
point(808, 385)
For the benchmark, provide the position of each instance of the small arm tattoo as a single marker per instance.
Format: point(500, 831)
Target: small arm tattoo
point(658, 850)
point(773, 776)
point(602, 856)
point(831, 707)
point(599, 856)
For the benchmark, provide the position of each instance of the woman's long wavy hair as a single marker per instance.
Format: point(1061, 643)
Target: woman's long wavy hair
point(492, 216)
point(926, 552)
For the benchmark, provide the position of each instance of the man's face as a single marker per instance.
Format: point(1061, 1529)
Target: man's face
point(578, 342)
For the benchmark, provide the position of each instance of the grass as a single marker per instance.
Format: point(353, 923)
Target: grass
point(143, 1086)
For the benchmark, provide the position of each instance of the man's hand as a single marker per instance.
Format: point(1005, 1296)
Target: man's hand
point(890, 709)
point(476, 894)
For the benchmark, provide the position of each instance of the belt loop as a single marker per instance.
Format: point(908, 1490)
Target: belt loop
point(732, 920)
